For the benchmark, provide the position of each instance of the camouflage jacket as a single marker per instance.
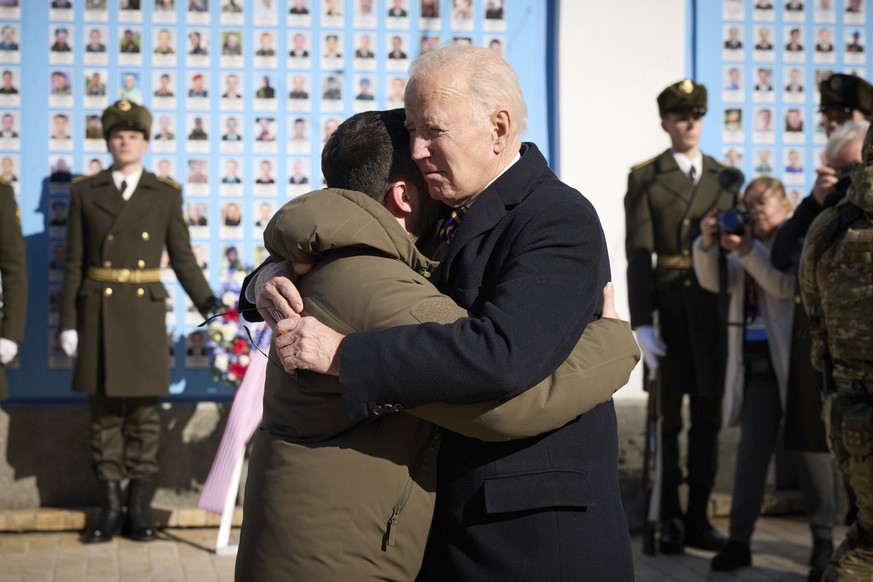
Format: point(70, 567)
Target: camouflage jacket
point(836, 279)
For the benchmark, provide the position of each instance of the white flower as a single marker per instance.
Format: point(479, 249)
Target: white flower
point(243, 360)
point(231, 377)
point(221, 362)
point(228, 299)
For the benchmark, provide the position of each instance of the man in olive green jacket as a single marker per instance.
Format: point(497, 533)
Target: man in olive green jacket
point(113, 312)
point(332, 499)
point(13, 271)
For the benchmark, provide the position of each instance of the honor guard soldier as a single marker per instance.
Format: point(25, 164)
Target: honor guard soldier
point(113, 312)
point(835, 273)
point(13, 272)
point(666, 198)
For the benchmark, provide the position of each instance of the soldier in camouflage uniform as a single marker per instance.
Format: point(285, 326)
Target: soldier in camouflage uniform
point(835, 274)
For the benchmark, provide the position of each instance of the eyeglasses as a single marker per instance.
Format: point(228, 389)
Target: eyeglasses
point(252, 341)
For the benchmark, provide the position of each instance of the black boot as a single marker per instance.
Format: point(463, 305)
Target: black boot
point(672, 539)
point(109, 521)
point(138, 525)
point(819, 559)
point(699, 533)
point(733, 556)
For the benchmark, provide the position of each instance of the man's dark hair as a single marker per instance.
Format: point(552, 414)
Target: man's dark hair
point(368, 152)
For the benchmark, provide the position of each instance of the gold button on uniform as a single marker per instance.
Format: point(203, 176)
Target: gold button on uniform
point(110, 237)
point(686, 221)
point(141, 264)
point(686, 253)
point(107, 264)
point(687, 283)
point(108, 291)
point(145, 236)
point(797, 300)
point(140, 292)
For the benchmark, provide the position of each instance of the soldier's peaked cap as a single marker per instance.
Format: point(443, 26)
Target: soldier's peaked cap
point(846, 92)
point(127, 114)
point(684, 96)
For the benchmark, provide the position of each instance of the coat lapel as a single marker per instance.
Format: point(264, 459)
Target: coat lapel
point(700, 205)
point(672, 178)
point(106, 195)
point(134, 209)
point(494, 202)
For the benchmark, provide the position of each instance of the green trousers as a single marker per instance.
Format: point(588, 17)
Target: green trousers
point(125, 437)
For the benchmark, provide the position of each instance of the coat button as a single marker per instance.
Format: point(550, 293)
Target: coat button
point(141, 264)
point(145, 236)
point(140, 292)
point(687, 282)
point(686, 221)
point(686, 253)
point(107, 264)
point(388, 408)
point(798, 300)
point(110, 237)
point(377, 410)
point(108, 291)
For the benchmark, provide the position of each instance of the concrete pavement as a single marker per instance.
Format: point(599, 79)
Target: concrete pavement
point(780, 550)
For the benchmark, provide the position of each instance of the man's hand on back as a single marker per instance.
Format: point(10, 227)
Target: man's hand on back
point(274, 294)
point(306, 344)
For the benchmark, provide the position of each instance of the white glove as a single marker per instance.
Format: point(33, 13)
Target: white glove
point(70, 342)
point(650, 344)
point(8, 350)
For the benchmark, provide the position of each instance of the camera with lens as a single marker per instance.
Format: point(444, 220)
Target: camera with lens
point(733, 220)
point(844, 180)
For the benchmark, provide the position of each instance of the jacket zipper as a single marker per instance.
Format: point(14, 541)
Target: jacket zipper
point(388, 538)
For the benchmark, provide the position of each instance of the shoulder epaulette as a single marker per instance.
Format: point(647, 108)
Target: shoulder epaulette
point(78, 179)
point(169, 182)
point(4, 182)
point(643, 164)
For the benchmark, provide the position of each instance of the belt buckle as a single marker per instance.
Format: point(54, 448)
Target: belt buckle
point(123, 275)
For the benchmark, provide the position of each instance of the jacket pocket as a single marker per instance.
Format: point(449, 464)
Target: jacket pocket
point(157, 292)
point(541, 490)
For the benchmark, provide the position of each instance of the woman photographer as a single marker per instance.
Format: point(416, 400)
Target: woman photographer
point(760, 316)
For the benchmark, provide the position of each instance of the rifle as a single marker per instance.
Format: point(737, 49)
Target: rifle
point(652, 466)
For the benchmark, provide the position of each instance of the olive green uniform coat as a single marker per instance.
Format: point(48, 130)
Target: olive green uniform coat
point(13, 271)
point(122, 330)
point(322, 488)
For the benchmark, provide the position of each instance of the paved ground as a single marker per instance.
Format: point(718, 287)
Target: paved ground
point(780, 550)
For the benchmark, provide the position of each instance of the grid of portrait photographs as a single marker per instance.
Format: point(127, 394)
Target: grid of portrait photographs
point(243, 95)
point(762, 62)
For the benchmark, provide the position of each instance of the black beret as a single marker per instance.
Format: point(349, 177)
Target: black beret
point(129, 115)
point(846, 92)
point(684, 96)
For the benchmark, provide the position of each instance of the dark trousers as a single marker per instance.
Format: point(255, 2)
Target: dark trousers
point(694, 365)
point(125, 437)
point(760, 422)
point(705, 413)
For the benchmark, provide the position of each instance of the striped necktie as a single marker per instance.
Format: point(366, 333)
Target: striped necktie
point(451, 224)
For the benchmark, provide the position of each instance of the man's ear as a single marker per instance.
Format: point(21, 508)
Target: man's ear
point(501, 124)
point(397, 199)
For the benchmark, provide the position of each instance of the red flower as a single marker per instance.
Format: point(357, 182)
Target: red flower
point(231, 314)
point(237, 369)
point(239, 346)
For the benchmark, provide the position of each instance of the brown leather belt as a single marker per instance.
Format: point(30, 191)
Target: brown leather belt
point(132, 276)
point(675, 262)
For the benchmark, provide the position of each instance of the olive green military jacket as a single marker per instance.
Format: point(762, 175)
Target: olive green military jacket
point(836, 287)
point(122, 330)
point(662, 213)
point(13, 270)
point(322, 488)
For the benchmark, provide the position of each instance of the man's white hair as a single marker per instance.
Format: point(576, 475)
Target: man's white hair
point(491, 83)
point(845, 134)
